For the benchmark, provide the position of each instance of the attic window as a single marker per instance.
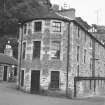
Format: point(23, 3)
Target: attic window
point(37, 26)
point(56, 26)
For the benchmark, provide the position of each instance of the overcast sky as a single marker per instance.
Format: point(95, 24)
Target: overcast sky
point(92, 11)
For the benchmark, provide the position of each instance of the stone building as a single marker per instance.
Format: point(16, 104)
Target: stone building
point(55, 50)
point(8, 64)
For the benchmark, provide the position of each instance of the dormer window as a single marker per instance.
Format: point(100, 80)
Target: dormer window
point(56, 26)
point(37, 26)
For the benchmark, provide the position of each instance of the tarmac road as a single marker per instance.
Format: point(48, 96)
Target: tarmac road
point(9, 95)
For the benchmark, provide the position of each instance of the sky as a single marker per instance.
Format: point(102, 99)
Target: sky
point(92, 11)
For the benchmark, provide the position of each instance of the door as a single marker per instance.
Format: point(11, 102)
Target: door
point(55, 79)
point(35, 81)
point(5, 73)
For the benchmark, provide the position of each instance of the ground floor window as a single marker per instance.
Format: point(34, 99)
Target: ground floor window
point(54, 79)
point(22, 78)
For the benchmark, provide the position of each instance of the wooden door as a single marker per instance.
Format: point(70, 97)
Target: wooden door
point(55, 79)
point(35, 81)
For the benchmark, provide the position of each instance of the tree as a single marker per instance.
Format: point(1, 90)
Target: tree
point(15, 11)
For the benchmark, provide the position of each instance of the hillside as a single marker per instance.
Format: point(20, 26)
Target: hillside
point(13, 11)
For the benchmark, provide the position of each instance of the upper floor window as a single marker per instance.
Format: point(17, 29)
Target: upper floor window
point(47, 22)
point(36, 49)
point(78, 48)
point(25, 28)
point(37, 26)
point(56, 26)
point(90, 42)
point(24, 50)
point(29, 28)
point(84, 55)
point(55, 50)
point(78, 32)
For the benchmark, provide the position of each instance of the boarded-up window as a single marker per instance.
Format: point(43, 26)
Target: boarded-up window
point(36, 49)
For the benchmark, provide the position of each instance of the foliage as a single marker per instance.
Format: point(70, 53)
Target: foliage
point(18, 10)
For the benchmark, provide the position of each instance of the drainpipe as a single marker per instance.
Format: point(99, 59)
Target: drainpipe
point(68, 55)
point(93, 58)
point(20, 53)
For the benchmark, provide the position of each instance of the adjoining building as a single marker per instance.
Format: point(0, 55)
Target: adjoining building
point(8, 64)
point(55, 50)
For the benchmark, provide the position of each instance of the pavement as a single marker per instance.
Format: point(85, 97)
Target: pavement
point(9, 95)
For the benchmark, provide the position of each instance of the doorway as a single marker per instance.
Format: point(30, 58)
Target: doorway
point(5, 73)
point(35, 81)
point(55, 79)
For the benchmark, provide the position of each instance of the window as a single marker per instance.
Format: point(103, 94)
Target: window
point(84, 55)
point(77, 70)
point(29, 30)
point(85, 36)
point(78, 32)
point(15, 71)
point(90, 43)
point(57, 26)
point(25, 28)
point(55, 50)
point(22, 78)
point(37, 26)
point(24, 49)
point(36, 49)
point(47, 22)
point(78, 53)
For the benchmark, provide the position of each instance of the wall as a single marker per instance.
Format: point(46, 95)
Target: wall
point(78, 37)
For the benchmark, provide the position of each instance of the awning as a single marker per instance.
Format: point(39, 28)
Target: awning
point(5, 59)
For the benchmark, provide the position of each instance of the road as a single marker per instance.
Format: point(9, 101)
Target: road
point(10, 96)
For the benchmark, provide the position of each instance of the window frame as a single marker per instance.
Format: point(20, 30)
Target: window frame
point(24, 50)
point(78, 52)
point(37, 29)
point(85, 56)
point(25, 28)
point(56, 26)
point(34, 56)
point(57, 50)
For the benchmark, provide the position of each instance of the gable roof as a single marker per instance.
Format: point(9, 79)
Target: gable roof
point(83, 23)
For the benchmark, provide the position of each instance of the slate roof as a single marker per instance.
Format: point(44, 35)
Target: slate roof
point(49, 15)
point(4, 59)
point(100, 28)
point(83, 23)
